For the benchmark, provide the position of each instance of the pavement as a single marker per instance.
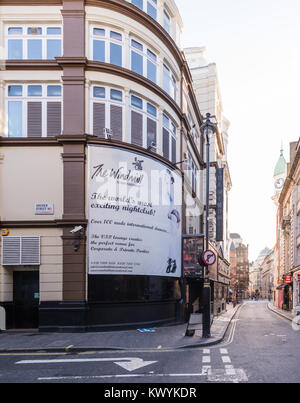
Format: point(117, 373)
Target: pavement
point(286, 314)
point(161, 338)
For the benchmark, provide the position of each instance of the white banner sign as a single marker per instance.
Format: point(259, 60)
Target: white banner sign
point(135, 214)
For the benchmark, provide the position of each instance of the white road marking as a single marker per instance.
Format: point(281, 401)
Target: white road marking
point(229, 369)
point(130, 364)
point(216, 375)
point(206, 358)
point(206, 351)
point(223, 351)
point(206, 369)
point(226, 358)
point(57, 378)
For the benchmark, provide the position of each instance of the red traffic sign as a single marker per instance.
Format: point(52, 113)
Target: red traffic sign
point(298, 276)
point(209, 257)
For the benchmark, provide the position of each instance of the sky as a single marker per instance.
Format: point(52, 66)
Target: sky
point(256, 47)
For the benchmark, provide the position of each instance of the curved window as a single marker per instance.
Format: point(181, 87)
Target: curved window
point(107, 113)
point(167, 21)
point(34, 110)
point(149, 6)
point(143, 123)
point(107, 46)
point(33, 42)
point(192, 172)
point(143, 60)
point(169, 139)
point(169, 82)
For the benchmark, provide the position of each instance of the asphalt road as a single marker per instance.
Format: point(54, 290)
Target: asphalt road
point(260, 347)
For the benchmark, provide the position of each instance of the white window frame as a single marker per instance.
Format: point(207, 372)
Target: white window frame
point(44, 99)
point(108, 102)
point(172, 134)
point(25, 37)
point(172, 89)
point(108, 40)
point(167, 21)
point(194, 133)
point(192, 169)
point(145, 6)
point(146, 115)
point(145, 56)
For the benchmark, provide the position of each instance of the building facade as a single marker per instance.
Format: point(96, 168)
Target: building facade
point(256, 273)
point(83, 83)
point(239, 261)
point(207, 89)
point(288, 247)
point(267, 276)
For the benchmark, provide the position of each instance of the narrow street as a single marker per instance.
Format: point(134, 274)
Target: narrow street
point(259, 347)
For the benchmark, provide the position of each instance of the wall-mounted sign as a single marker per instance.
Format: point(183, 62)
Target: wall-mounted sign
point(288, 279)
point(298, 277)
point(192, 248)
point(135, 214)
point(4, 232)
point(220, 205)
point(44, 208)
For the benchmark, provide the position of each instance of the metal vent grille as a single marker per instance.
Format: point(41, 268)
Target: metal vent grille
point(30, 250)
point(11, 251)
point(17, 251)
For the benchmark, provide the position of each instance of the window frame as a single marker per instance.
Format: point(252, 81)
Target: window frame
point(145, 57)
point(108, 101)
point(173, 134)
point(25, 37)
point(108, 40)
point(144, 7)
point(167, 21)
point(172, 90)
point(192, 173)
point(145, 115)
point(24, 98)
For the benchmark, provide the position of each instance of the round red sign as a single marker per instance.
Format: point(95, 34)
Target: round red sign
point(209, 257)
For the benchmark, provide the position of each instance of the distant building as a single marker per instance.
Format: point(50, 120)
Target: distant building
point(255, 274)
point(267, 276)
point(239, 267)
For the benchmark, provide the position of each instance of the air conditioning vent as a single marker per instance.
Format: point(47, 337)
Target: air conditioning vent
point(19, 251)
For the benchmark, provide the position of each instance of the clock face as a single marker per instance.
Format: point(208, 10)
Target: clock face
point(279, 183)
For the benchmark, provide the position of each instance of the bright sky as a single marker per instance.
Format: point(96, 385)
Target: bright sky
point(256, 46)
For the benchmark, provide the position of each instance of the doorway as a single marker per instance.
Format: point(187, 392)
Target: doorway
point(26, 299)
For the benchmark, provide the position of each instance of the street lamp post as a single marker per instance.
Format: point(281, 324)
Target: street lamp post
point(208, 128)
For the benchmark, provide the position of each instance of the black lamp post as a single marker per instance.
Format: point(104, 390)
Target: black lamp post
point(208, 128)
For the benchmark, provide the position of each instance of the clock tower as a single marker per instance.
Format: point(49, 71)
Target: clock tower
point(280, 174)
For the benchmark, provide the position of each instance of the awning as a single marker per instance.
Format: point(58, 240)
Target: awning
point(281, 286)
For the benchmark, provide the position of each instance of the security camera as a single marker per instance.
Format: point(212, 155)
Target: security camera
point(152, 146)
point(76, 229)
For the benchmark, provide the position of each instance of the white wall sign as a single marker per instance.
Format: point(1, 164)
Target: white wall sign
point(44, 208)
point(135, 214)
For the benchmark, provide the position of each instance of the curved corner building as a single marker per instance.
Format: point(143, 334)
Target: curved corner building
point(90, 90)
